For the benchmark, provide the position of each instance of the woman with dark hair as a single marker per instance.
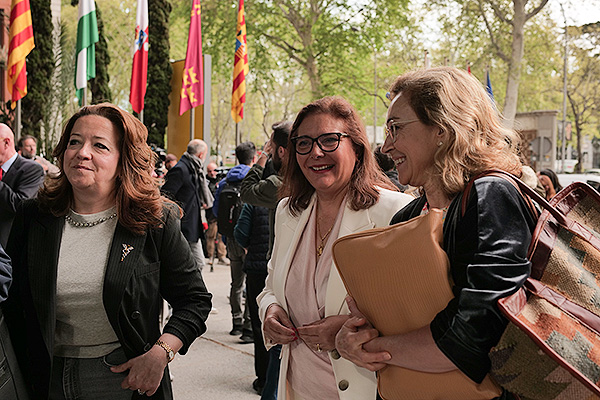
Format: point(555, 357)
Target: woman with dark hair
point(443, 132)
point(386, 164)
point(333, 187)
point(549, 181)
point(94, 256)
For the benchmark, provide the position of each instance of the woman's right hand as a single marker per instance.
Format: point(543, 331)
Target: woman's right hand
point(277, 326)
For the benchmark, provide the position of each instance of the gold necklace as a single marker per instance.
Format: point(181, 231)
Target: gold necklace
point(323, 238)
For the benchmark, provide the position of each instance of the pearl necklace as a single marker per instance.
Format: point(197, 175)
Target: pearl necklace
point(78, 224)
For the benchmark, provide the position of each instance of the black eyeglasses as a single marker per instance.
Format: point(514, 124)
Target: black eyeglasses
point(327, 142)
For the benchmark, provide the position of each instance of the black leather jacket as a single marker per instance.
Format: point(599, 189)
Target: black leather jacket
point(487, 248)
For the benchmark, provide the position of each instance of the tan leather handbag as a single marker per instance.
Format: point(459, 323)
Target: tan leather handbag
point(399, 278)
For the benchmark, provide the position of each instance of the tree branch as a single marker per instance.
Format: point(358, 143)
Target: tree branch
point(499, 13)
point(283, 45)
point(495, 44)
point(536, 10)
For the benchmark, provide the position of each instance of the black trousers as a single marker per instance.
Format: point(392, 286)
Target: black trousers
point(255, 283)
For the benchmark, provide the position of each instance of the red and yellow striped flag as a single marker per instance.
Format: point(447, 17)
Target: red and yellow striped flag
point(21, 43)
point(240, 68)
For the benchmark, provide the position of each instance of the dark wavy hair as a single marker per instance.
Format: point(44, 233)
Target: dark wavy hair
point(139, 202)
point(366, 175)
point(553, 179)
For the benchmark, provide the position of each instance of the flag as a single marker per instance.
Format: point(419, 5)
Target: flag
point(87, 36)
point(192, 85)
point(240, 68)
point(488, 85)
point(21, 43)
point(139, 70)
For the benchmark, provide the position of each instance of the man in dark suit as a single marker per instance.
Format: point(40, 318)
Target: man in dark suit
point(20, 179)
point(186, 184)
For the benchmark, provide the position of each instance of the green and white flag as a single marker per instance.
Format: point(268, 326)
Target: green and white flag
point(87, 36)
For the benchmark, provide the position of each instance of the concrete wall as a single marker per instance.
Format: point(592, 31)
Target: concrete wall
point(538, 130)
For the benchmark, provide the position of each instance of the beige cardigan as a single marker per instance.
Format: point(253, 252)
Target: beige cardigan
point(354, 383)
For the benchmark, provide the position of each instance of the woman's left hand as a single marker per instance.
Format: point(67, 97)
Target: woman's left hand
point(353, 338)
point(145, 371)
point(320, 335)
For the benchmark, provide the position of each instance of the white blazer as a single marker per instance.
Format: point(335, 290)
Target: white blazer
point(354, 383)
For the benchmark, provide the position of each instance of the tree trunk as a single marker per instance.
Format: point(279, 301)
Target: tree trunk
point(313, 77)
point(514, 67)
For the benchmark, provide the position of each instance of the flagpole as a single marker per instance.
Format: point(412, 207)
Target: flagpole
point(141, 114)
point(192, 122)
point(84, 98)
point(18, 121)
point(237, 135)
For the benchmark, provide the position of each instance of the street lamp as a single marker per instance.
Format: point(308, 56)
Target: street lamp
point(564, 121)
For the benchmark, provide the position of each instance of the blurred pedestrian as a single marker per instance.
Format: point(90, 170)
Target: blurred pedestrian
point(186, 183)
point(246, 156)
point(550, 182)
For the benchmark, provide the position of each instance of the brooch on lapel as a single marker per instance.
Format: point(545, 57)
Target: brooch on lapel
point(126, 249)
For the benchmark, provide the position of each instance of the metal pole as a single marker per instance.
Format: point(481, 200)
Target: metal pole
point(374, 93)
point(84, 100)
point(18, 122)
point(141, 115)
point(192, 123)
point(237, 135)
point(564, 121)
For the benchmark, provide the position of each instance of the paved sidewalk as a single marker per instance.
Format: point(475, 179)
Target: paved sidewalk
point(217, 366)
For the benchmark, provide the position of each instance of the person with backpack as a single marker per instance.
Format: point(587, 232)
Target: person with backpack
point(227, 208)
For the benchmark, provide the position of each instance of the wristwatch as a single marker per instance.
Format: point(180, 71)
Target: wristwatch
point(167, 348)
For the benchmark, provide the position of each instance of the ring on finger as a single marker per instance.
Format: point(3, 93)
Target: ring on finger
point(140, 392)
point(319, 348)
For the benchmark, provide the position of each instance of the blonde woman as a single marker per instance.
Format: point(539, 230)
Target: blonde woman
point(442, 131)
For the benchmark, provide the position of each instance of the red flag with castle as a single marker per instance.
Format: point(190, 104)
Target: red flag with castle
point(21, 44)
point(192, 86)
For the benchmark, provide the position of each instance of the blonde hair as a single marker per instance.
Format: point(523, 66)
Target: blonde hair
point(456, 102)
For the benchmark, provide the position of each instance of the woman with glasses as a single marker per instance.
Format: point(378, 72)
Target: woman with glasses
point(333, 187)
point(443, 131)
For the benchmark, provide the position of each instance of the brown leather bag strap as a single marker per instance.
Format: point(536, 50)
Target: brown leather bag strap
point(516, 182)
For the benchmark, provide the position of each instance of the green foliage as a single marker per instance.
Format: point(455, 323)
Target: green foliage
point(156, 104)
point(583, 84)
point(61, 100)
point(40, 68)
point(467, 38)
point(100, 84)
